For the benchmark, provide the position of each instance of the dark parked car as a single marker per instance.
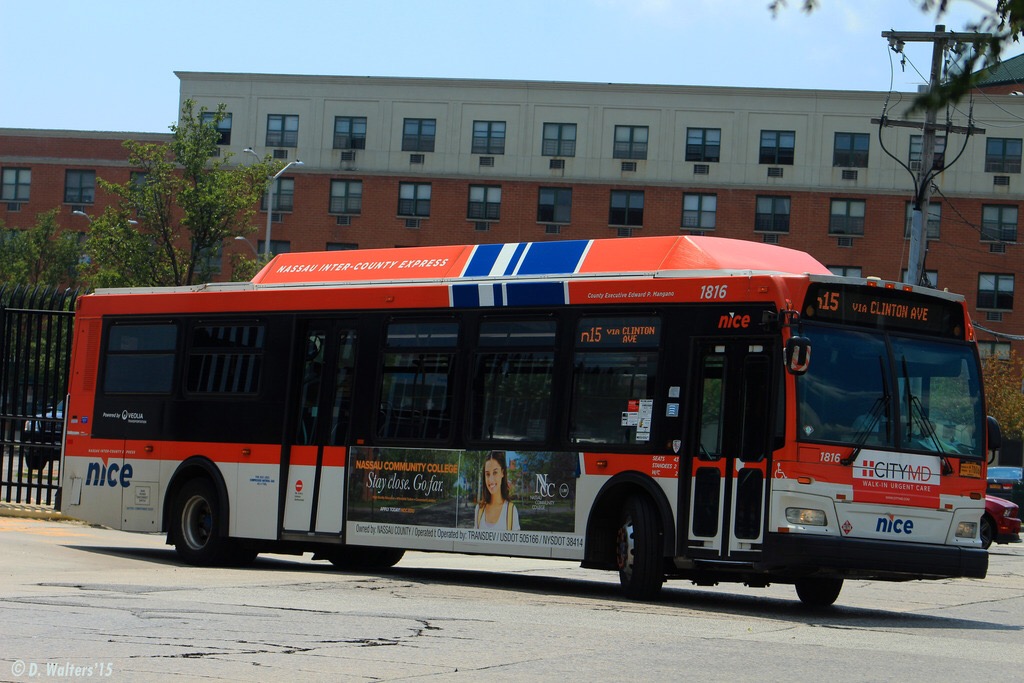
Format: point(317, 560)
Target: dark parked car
point(41, 436)
point(1006, 482)
point(1000, 523)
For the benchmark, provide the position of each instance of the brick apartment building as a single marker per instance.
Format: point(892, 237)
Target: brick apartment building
point(404, 162)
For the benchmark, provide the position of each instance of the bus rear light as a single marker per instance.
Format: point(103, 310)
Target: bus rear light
point(806, 516)
point(840, 496)
point(967, 530)
point(976, 495)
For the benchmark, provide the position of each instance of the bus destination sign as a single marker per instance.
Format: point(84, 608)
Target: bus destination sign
point(644, 332)
point(883, 309)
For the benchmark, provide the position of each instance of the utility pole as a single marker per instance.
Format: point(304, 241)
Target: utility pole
point(940, 39)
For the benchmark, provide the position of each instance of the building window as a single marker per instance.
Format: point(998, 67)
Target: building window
point(554, 205)
point(995, 291)
point(846, 217)
point(932, 229)
point(627, 208)
point(994, 349)
point(851, 150)
point(223, 126)
point(16, 184)
point(699, 211)
point(931, 277)
point(488, 137)
point(777, 147)
point(917, 152)
point(341, 246)
point(559, 140)
point(79, 187)
point(630, 142)
point(772, 214)
point(284, 195)
point(484, 203)
point(1002, 155)
point(276, 247)
point(346, 196)
point(845, 271)
point(703, 144)
point(349, 132)
point(418, 135)
point(282, 130)
point(414, 199)
point(998, 223)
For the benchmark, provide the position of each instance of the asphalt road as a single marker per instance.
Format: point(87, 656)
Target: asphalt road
point(80, 602)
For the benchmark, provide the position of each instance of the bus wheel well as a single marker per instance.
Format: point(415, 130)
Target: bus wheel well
point(600, 549)
point(196, 467)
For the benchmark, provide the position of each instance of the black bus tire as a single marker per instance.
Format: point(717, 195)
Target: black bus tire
point(637, 549)
point(358, 558)
point(818, 592)
point(197, 517)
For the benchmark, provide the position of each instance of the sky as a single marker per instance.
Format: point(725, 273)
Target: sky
point(108, 65)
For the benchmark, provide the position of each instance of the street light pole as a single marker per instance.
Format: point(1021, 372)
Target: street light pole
point(270, 199)
point(270, 205)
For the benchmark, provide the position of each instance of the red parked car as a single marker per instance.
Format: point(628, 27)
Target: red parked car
point(1001, 521)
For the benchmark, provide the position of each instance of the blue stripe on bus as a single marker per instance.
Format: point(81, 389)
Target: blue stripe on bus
point(513, 263)
point(482, 260)
point(476, 296)
point(553, 258)
point(535, 294)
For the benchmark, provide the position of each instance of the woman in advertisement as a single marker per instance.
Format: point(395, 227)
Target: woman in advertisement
point(496, 511)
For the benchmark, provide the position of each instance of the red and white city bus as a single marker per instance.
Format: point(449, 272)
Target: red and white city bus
point(666, 407)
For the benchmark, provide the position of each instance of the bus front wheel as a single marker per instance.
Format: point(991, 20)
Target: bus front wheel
point(197, 513)
point(637, 551)
point(818, 592)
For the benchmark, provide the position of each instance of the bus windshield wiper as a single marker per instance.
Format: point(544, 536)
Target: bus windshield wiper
point(880, 406)
point(915, 413)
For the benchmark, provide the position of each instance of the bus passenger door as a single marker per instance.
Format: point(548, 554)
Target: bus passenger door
point(728, 470)
point(315, 465)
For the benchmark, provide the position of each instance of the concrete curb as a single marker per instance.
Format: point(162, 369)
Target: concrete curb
point(30, 511)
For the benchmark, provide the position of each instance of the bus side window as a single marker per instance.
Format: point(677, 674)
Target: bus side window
point(417, 380)
point(512, 385)
point(615, 369)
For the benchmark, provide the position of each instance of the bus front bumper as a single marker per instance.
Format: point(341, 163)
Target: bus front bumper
point(799, 554)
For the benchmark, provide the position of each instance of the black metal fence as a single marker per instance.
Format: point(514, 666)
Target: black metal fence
point(35, 350)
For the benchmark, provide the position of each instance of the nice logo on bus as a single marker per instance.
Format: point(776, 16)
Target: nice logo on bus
point(101, 474)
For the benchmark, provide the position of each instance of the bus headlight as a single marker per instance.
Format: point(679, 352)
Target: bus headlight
point(967, 530)
point(805, 516)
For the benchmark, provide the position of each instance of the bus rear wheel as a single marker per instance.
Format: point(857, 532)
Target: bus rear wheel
point(637, 551)
point(818, 592)
point(359, 558)
point(197, 517)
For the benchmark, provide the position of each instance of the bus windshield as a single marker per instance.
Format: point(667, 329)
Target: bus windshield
point(868, 389)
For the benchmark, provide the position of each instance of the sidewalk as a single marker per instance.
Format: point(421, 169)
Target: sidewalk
point(30, 511)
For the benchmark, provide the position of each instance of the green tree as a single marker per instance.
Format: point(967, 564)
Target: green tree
point(40, 255)
point(1003, 395)
point(1003, 22)
point(186, 203)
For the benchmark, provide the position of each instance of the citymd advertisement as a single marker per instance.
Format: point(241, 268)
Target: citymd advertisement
point(896, 479)
point(427, 496)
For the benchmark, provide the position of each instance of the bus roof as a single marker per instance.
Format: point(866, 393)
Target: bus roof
point(674, 256)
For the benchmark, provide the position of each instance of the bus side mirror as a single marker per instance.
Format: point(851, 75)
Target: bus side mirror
point(994, 436)
point(798, 355)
